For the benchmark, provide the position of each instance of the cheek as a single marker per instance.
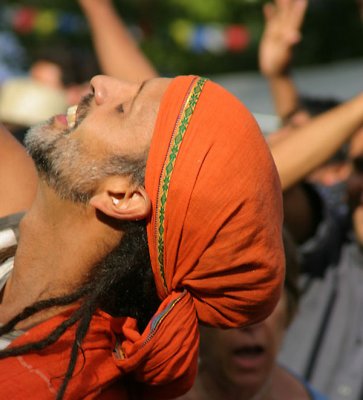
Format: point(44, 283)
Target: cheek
point(96, 141)
point(276, 325)
point(213, 346)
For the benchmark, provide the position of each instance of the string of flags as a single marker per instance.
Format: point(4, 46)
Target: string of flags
point(45, 21)
point(213, 38)
point(197, 38)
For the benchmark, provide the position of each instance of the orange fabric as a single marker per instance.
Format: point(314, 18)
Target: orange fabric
point(34, 375)
point(222, 245)
point(221, 259)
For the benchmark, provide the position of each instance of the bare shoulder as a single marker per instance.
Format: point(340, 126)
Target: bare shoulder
point(18, 179)
point(286, 386)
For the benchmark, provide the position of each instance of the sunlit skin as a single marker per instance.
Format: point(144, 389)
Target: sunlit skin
point(121, 115)
point(42, 268)
point(116, 120)
point(329, 173)
point(297, 120)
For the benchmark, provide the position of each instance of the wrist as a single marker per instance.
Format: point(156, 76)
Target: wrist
point(93, 7)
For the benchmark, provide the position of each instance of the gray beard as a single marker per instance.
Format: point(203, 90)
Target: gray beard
point(62, 163)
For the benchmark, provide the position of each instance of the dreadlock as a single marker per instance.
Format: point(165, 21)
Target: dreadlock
point(121, 284)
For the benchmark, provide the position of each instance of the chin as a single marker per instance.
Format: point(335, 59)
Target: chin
point(248, 384)
point(42, 136)
point(248, 378)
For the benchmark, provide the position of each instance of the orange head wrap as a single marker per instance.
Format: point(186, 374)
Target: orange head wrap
point(215, 247)
point(214, 234)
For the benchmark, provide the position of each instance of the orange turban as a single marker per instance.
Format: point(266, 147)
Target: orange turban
point(216, 253)
point(214, 235)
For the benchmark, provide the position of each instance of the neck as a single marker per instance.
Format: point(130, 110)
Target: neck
point(57, 248)
point(211, 388)
point(280, 384)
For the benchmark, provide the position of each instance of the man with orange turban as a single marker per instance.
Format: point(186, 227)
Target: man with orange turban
point(158, 207)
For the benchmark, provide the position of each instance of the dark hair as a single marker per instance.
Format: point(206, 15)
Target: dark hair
point(122, 285)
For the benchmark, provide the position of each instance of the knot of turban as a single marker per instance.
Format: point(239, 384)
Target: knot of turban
point(214, 234)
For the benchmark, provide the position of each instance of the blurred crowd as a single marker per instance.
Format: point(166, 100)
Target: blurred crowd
point(311, 347)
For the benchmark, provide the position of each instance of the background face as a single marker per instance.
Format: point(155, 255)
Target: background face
point(243, 358)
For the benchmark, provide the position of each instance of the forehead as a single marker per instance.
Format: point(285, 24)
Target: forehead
point(145, 107)
point(110, 131)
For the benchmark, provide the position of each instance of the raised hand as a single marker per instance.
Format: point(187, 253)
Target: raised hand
point(87, 3)
point(283, 20)
point(117, 51)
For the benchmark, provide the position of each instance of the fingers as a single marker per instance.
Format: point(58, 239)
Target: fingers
point(296, 17)
point(290, 13)
point(297, 13)
point(285, 18)
point(269, 11)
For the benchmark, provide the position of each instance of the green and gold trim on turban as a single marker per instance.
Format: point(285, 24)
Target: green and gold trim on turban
point(179, 130)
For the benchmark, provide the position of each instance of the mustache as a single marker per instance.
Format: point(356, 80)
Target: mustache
point(83, 108)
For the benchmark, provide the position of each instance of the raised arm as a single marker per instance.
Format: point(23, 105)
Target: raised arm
point(283, 21)
point(307, 147)
point(118, 53)
point(18, 179)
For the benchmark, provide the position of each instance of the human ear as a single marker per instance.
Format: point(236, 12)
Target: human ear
point(123, 201)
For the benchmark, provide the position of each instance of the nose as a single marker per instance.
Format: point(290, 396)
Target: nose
point(251, 329)
point(107, 88)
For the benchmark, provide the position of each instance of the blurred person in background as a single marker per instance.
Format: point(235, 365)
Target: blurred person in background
point(242, 363)
point(323, 209)
point(64, 68)
point(58, 75)
point(17, 176)
point(324, 342)
point(25, 102)
point(55, 80)
point(283, 21)
point(117, 51)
